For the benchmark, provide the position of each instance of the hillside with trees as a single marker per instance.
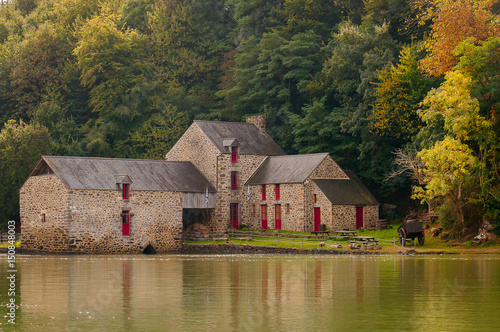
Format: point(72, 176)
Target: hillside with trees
point(406, 93)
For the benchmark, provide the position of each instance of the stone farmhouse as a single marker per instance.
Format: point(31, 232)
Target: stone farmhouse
point(220, 174)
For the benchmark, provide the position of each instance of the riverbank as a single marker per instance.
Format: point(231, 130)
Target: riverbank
point(271, 242)
point(232, 248)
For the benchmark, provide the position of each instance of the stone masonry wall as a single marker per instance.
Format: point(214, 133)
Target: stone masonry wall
point(292, 207)
point(344, 216)
point(245, 167)
point(196, 147)
point(328, 169)
point(44, 194)
point(370, 215)
point(96, 227)
point(89, 221)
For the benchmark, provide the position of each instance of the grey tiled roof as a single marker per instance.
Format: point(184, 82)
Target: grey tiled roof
point(102, 174)
point(250, 139)
point(346, 191)
point(286, 169)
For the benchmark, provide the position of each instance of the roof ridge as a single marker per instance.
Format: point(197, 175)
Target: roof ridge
point(301, 155)
point(109, 158)
point(216, 121)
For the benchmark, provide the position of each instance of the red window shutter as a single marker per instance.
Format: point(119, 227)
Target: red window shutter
point(125, 223)
point(234, 180)
point(277, 216)
point(234, 154)
point(263, 216)
point(263, 189)
point(126, 188)
point(277, 191)
point(233, 215)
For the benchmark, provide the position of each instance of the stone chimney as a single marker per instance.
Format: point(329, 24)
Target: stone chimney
point(259, 121)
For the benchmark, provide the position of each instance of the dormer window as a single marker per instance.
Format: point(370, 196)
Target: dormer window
point(125, 191)
point(234, 154)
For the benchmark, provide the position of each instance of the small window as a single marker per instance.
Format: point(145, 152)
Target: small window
point(234, 154)
point(288, 208)
point(43, 217)
point(125, 223)
point(253, 208)
point(234, 180)
point(126, 189)
point(277, 191)
point(263, 190)
point(315, 198)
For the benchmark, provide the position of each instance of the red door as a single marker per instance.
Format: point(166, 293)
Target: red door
point(125, 223)
point(359, 217)
point(317, 218)
point(263, 216)
point(234, 215)
point(277, 216)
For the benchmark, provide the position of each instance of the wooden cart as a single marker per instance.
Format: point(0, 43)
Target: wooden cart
point(410, 230)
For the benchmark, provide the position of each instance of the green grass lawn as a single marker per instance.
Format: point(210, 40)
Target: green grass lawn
point(385, 237)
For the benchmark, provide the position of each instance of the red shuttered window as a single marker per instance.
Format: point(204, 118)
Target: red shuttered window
point(125, 223)
point(234, 154)
point(263, 190)
point(277, 191)
point(126, 189)
point(277, 216)
point(234, 180)
point(263, 216)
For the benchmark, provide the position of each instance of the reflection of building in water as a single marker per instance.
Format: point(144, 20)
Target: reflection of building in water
point(80, 291)
point(228, 293)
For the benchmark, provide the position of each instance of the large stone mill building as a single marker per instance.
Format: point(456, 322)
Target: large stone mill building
point(220, 174)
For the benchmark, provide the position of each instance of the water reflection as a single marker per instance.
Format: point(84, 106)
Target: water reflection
point(248, 293)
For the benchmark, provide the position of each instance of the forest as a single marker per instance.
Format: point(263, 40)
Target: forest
point(406, 93)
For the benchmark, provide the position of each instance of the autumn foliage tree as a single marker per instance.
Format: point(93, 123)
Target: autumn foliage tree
point(453, 22)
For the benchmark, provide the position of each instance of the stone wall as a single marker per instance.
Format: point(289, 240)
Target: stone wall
point(89, 221)
point(292, 207)
point(328, 169)
point(245, 167)
point(196, 147)
point(44, 195)
point(370, 215)
point(96, 227)
point(344, 216)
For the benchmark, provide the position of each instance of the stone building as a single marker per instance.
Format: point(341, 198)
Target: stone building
point(219, 174)
point(100, 205)
point(259, 186)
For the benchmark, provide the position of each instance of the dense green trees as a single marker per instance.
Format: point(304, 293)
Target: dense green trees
point(358, 79)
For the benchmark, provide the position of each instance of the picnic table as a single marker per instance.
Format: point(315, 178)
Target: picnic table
point(341, 232)
point(321, 233)
point(344, 232)
point(364, 239)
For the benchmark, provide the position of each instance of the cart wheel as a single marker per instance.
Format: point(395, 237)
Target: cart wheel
point(421, 239)
point(402, 237)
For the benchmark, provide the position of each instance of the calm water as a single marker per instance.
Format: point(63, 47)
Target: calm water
point(254, 293)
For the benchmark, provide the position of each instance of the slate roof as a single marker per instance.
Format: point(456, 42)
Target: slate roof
point(286, 169)
point(251, 139)
point(102, 174)
point(346, 191)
